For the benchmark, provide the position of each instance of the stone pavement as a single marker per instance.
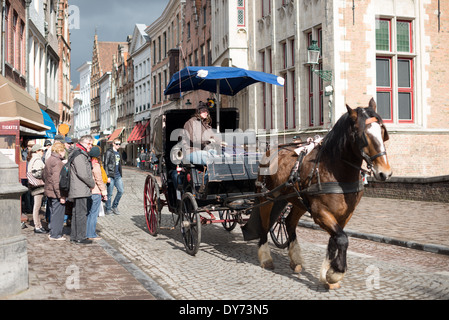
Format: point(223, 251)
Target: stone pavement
point(66, 271)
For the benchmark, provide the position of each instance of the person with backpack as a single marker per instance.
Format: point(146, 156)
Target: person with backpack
point(113, 167)
point(81, 184)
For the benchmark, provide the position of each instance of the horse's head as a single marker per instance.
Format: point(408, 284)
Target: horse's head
point(370, 135)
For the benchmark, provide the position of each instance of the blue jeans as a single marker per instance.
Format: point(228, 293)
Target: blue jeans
point(93, 207)
point(118, 183)
point(201, 156)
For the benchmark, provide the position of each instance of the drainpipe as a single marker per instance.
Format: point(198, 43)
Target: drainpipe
point(3, 38)
point(27, 35)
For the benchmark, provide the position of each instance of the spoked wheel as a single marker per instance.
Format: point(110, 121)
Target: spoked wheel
point(190, 223)
point(227, 224)
point(152, 205)
point(278, 231)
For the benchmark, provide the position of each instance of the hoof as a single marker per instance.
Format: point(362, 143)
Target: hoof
point(334, 286)
point(333, 277)
point(269, 265)
point(297, 268)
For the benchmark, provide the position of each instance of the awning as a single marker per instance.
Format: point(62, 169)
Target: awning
point(49, 122)
point(115, 134)
point(142, 133)
point(134, 133)
point(17, 104)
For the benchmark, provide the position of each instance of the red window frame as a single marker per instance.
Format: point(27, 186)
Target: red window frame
point(310, 97)
point(241, 8)
point(410, 34)
point(388, 89)
point(285, 100)
point(409, 90)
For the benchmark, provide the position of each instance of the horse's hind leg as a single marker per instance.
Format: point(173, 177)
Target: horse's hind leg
point(294, 249)
point(334, 265)
point(265, 259)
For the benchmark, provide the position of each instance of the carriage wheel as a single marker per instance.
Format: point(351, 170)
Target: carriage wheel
point(227, 224)
point(278, 231)
point(190, 223)
point(152, 205)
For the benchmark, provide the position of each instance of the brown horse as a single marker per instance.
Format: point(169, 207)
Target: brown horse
point(326, 182)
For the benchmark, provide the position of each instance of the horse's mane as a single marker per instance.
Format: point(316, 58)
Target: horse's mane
point(336, 141)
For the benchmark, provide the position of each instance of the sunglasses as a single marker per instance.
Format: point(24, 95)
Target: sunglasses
point(117, 144)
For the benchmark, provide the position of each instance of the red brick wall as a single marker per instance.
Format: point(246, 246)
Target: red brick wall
point(438, 68)
point(12, 56)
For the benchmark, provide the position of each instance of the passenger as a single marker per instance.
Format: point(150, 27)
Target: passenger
point(99, 193)
point(56, 199)
point(36, 168)
point(81, 184)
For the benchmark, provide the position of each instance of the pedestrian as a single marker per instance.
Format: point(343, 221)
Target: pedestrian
point(56, 199)
point(124, 157)
point(99, 194)
point(142, 158)
point(81, 184)
point(113, 168)
point(36, 168)
point(47, 152)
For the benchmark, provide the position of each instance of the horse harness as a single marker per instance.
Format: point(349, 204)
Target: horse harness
point(332, 187)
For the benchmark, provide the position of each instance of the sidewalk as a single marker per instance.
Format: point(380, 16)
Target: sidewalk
point(66, 271)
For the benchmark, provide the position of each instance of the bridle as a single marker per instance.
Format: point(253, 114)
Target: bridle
point(363, 142)
point(369, 160)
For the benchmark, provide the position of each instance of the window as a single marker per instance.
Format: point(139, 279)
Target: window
point(241, 13)
point(395, 70)
point(266, 57)
point(315, 84)
point(288, 53)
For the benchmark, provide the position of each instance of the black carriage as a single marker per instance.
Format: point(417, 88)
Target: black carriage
point(226, 197)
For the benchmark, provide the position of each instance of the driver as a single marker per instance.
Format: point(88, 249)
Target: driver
point(199, 136)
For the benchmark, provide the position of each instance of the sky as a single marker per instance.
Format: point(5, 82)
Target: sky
point(114, 21)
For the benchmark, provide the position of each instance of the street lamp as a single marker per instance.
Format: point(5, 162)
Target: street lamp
point(313, 53)
point(313, 56)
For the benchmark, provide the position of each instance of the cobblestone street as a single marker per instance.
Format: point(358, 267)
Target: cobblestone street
point(226, 267)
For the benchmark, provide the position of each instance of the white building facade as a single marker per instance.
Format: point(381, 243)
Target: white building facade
point(105, 104)
point(82, 107)
point(140, 51)
point(43, 59)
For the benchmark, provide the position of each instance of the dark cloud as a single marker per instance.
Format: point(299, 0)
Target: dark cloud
point(114, 20)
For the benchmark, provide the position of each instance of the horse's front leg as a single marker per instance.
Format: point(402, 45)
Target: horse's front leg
point(334, 265)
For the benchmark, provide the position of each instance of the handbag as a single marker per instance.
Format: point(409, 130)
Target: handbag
point(35, 182)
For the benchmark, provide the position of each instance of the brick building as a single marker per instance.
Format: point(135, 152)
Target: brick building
point(64, 83)
point(14, 42)
point(102, 59)
point(394, 51)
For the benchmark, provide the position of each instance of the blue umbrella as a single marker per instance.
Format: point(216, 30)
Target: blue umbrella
point(220, 80)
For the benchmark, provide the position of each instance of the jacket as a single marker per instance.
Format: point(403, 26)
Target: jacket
point(99, 188)
point(81, 179)
point(52, 170)
point(197, 135)
point(110, 162)
point(37, 165)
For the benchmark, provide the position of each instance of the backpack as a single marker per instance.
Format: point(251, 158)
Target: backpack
point(64, 175)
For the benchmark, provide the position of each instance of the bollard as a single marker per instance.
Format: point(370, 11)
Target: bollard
point(13, 245)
